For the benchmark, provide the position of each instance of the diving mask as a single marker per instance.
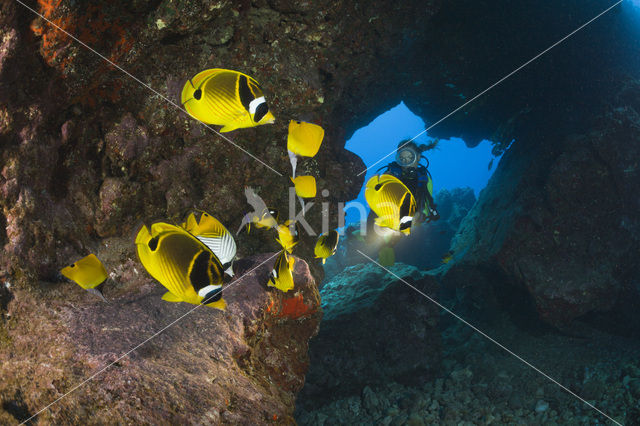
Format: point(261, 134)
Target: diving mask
point(408, 156)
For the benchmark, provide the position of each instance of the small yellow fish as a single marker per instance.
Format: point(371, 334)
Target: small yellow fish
point(183, 264)
point(288, 235)
point(326, 245)
point(214, 235)
point(304, 139)
point(227, 98)
point(282, 273)
point(88, 273)
point(305, 186)
point(392, 201)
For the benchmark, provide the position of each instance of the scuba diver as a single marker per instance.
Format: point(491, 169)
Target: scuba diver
point(415, 176)
point(405, 212)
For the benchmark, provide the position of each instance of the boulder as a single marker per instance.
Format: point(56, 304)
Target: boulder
point(174, 362)
point(375, 329)
point(559, 220)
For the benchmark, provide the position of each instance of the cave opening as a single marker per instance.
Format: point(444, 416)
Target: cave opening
point(452, 164)
point(459, 174)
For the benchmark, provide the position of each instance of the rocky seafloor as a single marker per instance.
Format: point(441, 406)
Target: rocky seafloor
point(481, 384)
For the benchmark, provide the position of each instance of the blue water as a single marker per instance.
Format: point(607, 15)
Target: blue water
point(452, 164)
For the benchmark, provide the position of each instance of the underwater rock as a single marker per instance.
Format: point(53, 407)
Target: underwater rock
point(557, 221)
point(244, 365)
point(344, 359)
point(81, 131)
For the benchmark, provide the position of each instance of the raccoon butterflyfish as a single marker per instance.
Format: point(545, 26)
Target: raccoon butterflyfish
point(281, 275)
point(326, 245)
point(392, 201)
point(304, 139)
point(228, 98)
point(288, 235)
point(214, 235)
point(88, 273)
point(305, 186)
point(447, 257)
point(387, 256)
point(183, 264)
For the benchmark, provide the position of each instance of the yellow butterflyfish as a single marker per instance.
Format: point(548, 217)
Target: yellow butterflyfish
point(326, 245)
point(188, 269)
point(89, 273)
point(214, 235)
point(281, 275)
point(392, 201)
point(227, 98)
point(288, 235)
point(305, 186)
point(304, 139)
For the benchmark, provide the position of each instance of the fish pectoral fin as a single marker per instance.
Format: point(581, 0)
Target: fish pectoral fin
point(219, 304)
point(170, 297)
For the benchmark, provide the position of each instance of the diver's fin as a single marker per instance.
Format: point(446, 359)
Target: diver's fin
point(170, 297)
point(387, 256)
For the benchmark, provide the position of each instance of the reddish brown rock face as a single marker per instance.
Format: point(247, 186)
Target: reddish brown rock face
point(244, 365)
point(559, 221)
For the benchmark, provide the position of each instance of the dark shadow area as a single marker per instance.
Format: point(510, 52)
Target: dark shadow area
point(17, 408)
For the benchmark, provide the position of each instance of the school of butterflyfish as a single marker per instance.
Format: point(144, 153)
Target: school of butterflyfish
point(193, 260)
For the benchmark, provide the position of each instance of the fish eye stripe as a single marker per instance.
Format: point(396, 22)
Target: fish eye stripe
point(255, 104)
point(212, 297)
point(199, 271)
point(244, 92)
point(153, 243)
point(261, 111)
point(209, 290)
